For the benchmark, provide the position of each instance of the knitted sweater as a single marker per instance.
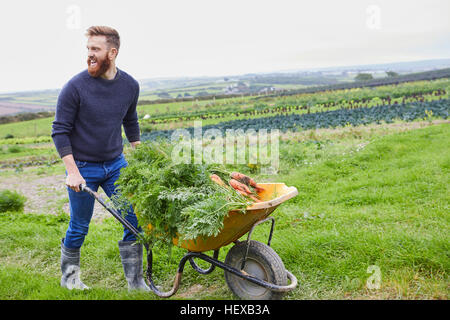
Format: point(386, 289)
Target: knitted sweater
point(90, 113)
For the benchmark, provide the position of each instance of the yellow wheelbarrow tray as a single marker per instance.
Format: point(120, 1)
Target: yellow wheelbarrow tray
point(252, 269)
point(236, 224)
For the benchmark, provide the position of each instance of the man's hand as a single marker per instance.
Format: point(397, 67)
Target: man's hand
point(134, 144)
point(74, 178)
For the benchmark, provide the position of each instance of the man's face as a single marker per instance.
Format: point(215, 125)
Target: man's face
point(97, 60)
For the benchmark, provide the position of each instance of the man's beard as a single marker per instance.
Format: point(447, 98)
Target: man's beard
point(101, 67)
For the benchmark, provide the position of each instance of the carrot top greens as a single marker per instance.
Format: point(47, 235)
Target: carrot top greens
point(177, 200)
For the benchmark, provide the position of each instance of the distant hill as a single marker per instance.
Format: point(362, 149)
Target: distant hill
point(170, 88)
point(401, 67)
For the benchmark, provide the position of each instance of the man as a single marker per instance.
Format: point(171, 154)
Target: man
point(87, 132)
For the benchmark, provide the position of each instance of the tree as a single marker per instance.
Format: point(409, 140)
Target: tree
point(391, 74)
point(163, 95)
point(363, 77)
point(202, 93)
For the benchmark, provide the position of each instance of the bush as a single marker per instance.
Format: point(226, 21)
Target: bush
point(14, 149)
point(11, 201)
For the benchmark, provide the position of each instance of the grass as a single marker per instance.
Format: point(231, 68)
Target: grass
point(24, 151)
point(29, 265)
point(387, 206)
point(366, 198)
point(30, 128)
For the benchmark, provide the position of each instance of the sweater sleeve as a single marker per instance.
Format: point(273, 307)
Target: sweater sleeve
point(66, 112)
point(130, 121)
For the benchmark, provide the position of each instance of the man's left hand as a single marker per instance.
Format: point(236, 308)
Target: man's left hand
point(135, 143)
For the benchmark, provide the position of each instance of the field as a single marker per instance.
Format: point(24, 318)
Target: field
point(371, 166)
point(156, 89)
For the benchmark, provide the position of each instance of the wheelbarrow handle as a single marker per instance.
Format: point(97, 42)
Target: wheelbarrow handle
point(111, 210)
point(85, 188)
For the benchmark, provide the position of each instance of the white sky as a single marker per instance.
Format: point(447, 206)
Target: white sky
point(43, 43)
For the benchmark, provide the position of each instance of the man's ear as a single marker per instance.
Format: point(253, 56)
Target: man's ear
point(112, 54)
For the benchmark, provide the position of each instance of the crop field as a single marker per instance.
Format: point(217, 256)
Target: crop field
point(371, 220)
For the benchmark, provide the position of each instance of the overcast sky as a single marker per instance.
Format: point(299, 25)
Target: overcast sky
point(43, 42)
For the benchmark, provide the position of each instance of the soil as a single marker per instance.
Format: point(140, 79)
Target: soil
point(46, 193)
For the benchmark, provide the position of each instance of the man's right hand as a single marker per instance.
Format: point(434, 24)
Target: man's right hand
point(74, 180)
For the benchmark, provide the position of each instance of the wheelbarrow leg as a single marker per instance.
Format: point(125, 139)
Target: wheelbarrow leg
point(203, 271)
point(188, 256)
point(250, 233)
point(152, 285)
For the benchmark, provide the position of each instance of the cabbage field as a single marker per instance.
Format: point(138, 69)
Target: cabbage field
point(328, 119)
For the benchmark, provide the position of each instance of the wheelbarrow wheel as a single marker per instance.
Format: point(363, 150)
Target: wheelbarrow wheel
point(263, 263)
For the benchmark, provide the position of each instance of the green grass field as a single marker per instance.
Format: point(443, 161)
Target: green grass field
point(366, 198)
point(30, 128)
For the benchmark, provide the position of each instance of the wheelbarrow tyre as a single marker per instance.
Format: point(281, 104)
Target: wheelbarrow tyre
point(262, 262)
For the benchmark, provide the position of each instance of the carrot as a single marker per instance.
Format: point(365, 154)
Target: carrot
point(246, 180)
point(243, 189)
point(242, 192)
point(216, 179)
point(254, 198)
point(240, 186)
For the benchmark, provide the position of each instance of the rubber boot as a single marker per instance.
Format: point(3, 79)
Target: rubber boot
point(131, 253)
point(70, 268)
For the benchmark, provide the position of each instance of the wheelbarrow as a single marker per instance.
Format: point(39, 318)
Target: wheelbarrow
point(253, 270)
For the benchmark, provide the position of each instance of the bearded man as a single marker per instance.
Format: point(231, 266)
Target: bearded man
point(87, 133)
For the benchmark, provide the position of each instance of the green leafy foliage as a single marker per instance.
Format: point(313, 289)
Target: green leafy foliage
point(11, 201)
point(177, 200)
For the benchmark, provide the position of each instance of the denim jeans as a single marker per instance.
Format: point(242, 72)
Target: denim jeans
point(96, 174)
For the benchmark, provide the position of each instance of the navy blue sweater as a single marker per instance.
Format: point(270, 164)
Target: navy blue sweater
point(90, 113)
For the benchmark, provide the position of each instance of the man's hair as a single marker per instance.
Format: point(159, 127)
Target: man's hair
point(112, 36)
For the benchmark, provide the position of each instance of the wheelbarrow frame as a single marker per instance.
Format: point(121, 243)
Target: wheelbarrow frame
point(199, 255)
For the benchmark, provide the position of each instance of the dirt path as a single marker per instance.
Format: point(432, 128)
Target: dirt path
point(45, 193)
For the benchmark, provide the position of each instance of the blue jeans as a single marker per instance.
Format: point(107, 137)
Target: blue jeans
point(96, 174)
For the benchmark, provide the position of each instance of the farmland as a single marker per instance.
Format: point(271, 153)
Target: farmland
point(371, 165)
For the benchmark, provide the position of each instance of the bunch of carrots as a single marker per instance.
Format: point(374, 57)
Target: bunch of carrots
point(242, 184)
